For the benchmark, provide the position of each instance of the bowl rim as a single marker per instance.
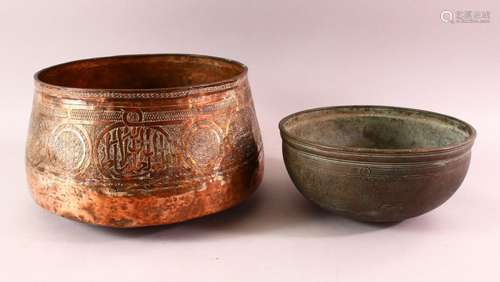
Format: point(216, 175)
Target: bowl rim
point(223, 83)
point(286, 136)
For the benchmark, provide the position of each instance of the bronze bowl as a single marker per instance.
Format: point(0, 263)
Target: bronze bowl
point(142, 140)
point(376, 163)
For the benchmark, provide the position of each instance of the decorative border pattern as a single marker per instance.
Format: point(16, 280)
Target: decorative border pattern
point(375, 171)
point(165, 93)
point(141, 149)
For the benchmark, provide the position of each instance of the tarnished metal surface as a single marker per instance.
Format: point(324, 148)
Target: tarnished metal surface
point(143, 140)
point(375, 163)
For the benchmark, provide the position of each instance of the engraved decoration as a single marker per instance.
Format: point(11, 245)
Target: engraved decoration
point(241, 128)
point(69, 147)
point(133, 152)
point(139, 150)
point(156, 150)
point(36, 142)
point(203, 144)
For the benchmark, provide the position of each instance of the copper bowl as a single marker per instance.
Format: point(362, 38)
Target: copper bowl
point(142, 140)
point(376, 163)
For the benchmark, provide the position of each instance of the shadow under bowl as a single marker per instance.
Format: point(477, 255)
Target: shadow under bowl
point(376, 163)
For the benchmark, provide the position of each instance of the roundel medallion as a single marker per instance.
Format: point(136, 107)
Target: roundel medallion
point(204, 144)
point(69, 147)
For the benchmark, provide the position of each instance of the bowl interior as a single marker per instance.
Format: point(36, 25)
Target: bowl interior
point(142, 72)
point(373, 127)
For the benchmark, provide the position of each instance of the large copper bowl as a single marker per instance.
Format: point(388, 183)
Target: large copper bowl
point(142, 140)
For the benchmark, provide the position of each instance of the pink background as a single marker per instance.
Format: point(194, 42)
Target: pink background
point(300, 54)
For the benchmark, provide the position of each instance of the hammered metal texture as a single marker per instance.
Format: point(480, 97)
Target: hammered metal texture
point(128, 158)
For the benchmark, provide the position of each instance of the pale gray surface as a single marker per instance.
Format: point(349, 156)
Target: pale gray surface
point(300, 55)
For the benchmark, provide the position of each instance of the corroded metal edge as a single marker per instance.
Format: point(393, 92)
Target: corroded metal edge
point(378, 155)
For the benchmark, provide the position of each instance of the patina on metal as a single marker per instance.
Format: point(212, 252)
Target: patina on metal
point(142, 140)
point(376, 163)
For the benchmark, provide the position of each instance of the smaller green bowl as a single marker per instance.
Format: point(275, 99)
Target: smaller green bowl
point(376, 163)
